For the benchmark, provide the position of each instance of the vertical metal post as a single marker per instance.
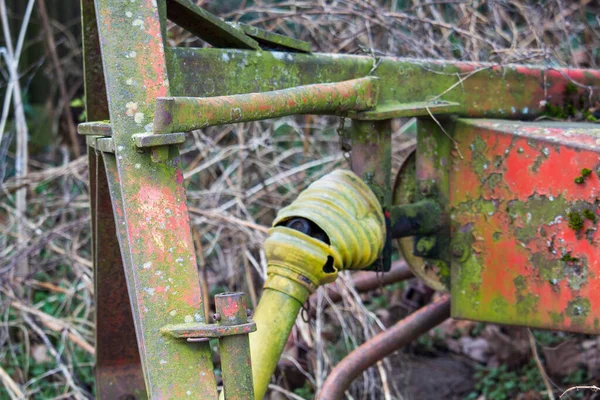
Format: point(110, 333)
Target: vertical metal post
point(118, 366)
point(154, 232)
point(236, 365)
point(371, 156)
point(371, 159)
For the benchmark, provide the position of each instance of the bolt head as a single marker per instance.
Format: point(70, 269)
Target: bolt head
point(249, 312)
point(217, 316)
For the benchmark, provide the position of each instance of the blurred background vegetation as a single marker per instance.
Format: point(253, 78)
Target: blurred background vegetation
point(237, 178)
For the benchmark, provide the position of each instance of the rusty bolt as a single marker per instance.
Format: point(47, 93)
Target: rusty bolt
point(217, 316)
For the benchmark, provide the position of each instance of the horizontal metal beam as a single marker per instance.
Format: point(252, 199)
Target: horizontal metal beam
point(184, 114)
point(482, 90)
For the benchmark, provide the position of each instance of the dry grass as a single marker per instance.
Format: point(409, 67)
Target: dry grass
point(238, 177)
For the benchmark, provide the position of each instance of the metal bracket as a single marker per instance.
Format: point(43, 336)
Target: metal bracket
point(195, 332)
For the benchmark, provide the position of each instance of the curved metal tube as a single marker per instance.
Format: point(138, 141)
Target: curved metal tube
point(383, 345)
point(365, 281)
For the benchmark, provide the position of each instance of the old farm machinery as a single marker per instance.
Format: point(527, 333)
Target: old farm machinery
point(500, 214)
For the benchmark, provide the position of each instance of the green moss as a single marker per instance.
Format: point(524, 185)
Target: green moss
point(575, 221)
point(589, 214)
point(520, 283)
point(579, 180)
point(568, 258)
point(570, 89)
point(578, 308)
point(586, 172)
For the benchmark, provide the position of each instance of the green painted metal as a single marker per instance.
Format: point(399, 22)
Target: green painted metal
point(118, 368)
point(491, 91)
point(273, 41)
point(121, 373)
point(98, 128)
point(160, 263)
point(371, 159)
point(207, 27)
point(403, 110)
point(150, 140)
point(234, 350)
point(156, 93)
point(184, 114)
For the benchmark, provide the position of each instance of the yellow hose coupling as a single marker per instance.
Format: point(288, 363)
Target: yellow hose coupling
point(336, 223)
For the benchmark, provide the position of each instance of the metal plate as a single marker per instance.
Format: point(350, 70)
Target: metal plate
point(525, 210)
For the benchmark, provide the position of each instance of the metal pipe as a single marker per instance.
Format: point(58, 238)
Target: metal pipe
point(184, 114)
point(383, 345)
point(365, 281)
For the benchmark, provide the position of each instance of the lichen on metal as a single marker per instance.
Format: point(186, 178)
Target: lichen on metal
point(532, 255)
point(184, 114)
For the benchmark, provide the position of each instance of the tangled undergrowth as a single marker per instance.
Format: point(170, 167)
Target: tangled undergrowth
point(237, 178)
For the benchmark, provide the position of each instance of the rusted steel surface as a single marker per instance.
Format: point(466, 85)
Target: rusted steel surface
point(364, 281)
point(208, 27)
point(525, 210)
point(156, 242)
point(381, 346)
point(481, 90)
point(184, 114)
point(118, 366)
point(96, 102)
point(236, 365)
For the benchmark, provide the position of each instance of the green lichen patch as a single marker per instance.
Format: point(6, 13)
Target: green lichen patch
point(527, 304)
point(589, 214)
point(575, 220)
point(569, 258)
point(578, 308)
point(586, 172)
point(529, 216)
point(520, 283)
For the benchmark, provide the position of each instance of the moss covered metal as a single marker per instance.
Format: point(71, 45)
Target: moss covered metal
point(491, 91)
point(530, 229)
point(149, 202)
point(184, 114)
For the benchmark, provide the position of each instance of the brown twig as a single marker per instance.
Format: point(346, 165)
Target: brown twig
point(65, 99)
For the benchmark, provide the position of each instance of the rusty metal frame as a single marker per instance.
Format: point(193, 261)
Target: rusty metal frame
point(141, 99)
